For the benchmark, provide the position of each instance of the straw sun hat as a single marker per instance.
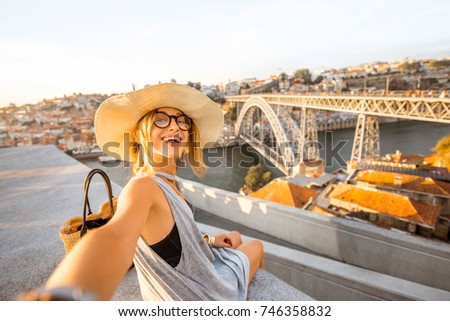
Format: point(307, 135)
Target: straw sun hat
point(117, 116)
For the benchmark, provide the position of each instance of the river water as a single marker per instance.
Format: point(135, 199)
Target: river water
point(228, 166)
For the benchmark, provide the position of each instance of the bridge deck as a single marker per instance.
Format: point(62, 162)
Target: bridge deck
point(413, 108)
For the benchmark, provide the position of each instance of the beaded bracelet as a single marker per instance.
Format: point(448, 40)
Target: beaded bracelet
point(210, 239)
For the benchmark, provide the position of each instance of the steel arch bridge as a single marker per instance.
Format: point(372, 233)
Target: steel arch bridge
point(274, 134)
point(265, 123)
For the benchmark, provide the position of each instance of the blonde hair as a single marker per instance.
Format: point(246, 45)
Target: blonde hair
point(141, 151)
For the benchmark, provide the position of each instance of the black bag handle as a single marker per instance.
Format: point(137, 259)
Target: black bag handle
point(86, 205)
point(87, 182)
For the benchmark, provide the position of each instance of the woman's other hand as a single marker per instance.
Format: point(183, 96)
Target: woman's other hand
point(231, 239)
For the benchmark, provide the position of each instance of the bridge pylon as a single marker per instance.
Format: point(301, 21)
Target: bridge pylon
point(366, 143)
point(308, 145)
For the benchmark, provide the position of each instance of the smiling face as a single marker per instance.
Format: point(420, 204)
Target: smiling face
point(160, 138)
point(171, 141)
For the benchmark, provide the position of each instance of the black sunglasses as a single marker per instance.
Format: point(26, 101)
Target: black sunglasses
point(162, 120)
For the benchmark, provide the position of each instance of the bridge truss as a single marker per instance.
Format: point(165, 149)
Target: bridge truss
point(265, 122)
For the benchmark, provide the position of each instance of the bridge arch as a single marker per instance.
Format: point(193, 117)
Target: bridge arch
point(282, 138)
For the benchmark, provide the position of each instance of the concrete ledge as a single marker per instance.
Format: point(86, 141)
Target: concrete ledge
point(412, 258)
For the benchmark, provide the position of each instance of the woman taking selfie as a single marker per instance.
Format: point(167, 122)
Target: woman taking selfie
point(153, 225)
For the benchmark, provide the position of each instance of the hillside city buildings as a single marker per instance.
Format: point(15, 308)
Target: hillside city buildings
point(67, 122)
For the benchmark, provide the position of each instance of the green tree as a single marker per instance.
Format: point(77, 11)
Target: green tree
point(442, 150)
point(257, 177)
point(305, 75)
point(412, 67)
point(318, 80)
point(233, 113)
point(195, 85)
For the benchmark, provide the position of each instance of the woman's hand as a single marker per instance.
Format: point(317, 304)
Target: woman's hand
point(231, 239)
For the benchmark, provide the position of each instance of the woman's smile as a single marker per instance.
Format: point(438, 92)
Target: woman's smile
point(170, 141)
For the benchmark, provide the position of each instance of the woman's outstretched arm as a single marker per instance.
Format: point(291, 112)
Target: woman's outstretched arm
point(101, 259)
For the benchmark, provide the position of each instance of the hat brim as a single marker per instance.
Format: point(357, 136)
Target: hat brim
point(117, 116)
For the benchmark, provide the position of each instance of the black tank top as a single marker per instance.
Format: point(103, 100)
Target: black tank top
point(169, 248)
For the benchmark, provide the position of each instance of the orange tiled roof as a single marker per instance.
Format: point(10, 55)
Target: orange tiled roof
point(427, 214)
point(444, 186)
point(282, 192)
point(378, 177)
point(379, 201)
point(409, 182)
point(389, 203)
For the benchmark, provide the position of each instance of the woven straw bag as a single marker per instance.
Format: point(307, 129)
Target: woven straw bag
point(75, 227)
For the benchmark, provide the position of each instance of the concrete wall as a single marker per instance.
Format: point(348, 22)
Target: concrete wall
point(361, 244)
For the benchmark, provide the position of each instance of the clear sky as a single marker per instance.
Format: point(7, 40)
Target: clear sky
point(49, 48)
